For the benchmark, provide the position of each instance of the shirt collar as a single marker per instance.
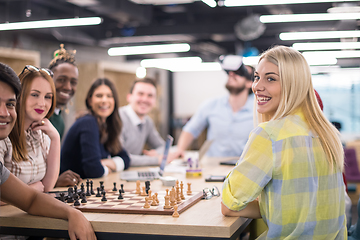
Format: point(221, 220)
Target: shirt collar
point(134, 118)
point(57, 111)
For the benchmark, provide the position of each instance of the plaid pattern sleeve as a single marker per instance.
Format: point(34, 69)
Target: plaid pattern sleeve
point(284, 165)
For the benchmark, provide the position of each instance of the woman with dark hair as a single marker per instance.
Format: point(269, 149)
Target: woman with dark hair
point(32, 151)
point(91, 147)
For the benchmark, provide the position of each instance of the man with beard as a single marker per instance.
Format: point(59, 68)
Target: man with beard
point(138, 128)
point(228, 119)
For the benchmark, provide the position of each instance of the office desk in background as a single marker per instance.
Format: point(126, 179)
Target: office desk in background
point(201, 221)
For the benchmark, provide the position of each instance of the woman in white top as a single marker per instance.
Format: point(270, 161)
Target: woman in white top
point(32, 151)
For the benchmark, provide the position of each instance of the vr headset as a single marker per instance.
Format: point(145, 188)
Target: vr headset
point(234, 63)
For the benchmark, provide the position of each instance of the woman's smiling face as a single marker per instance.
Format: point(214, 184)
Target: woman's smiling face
point(267, 87)
point(102, 102)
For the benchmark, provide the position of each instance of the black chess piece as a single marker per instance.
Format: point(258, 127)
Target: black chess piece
point(103, 199)
point(83, 198)
point(122, 188)
point(98, 192)
point(120, 195)
point(62, 197)
point(91, 188)
point(76, 197)
point(147, 186)
point(75, 188)
point(82, 188)
point(88, 188)
point(114, 189)
point(70, 195)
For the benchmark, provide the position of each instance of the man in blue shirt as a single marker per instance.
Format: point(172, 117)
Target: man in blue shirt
point(228, 119)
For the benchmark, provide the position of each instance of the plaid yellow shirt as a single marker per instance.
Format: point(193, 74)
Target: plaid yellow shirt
point(300, 198)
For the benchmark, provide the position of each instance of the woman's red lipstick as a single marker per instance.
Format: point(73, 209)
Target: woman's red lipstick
point(39, 111)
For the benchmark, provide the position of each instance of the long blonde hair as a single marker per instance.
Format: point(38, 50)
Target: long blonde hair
point(297, 92)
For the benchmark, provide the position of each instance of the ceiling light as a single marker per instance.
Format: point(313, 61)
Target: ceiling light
point(141, 72)
point(149, 49)
point(318, 35)
point(330, 54)
point(210, 3)
point(167, 63)
point(314, 60)
point(308, 17)
point(325, 46)
point(237, 3)
point(51, 23)
point(200, 67)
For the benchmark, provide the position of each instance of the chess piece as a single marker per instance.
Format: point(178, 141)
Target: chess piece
point(103, 199)
point(147, 186)
point(82, 188)
point(91, 188)
point(154, 202)
point(114, 189)
point(98, 192)
point(120, 195)
point(83, 198)
point(147, 205)
point(62, 197)
point(189, 192)
point(122, 188)
point(172, 197)
point(137, 190)
point(182, 191)
point(70, 196)
point(102, 188)
point(175, 214)
point(156, 198)
point(167, 200)
point(75, 188)
point(149, 194)
point(88, 188)
point(76, 197)
point(143, 193)
point(177, 195)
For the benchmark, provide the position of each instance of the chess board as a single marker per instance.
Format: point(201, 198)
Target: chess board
point(133, 203)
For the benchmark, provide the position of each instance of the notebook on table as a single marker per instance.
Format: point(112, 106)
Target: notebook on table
point(149, 175)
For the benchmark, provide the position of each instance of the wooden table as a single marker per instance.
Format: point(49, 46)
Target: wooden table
point(201, 221)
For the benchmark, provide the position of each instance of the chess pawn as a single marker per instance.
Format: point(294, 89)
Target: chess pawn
point(175, 214)
point(154, 202)
point(189, 192)
point(149, 194)
point(147, 205)
point(167, 202)
point(137, 190)
point(156, 198)
point(143, 193)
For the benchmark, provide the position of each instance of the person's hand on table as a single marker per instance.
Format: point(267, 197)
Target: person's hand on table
point(68, 178)
point(175, 155)
point(151, 153)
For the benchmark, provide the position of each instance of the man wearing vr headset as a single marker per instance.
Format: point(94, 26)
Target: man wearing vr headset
point(228, 119)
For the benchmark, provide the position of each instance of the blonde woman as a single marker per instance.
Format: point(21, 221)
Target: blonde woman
point(290, 173)
point(32, 151)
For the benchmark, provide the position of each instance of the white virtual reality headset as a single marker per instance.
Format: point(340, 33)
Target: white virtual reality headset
point(234, 63)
